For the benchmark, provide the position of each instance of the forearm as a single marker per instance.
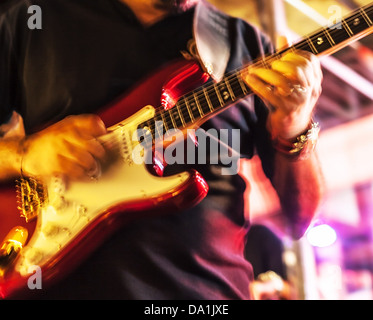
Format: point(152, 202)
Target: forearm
point(291, 85)
point(300, 186)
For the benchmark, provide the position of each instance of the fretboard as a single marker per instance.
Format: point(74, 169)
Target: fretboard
point(329, 37)
point(206, 101)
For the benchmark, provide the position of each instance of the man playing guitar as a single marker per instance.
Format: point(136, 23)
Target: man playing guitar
point(87, 53)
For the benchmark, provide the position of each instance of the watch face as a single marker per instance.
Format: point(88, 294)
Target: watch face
point(310, 142)
point(303, 145)
point(313, 133)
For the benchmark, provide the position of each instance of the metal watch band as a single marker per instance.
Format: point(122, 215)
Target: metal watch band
point(302, 146)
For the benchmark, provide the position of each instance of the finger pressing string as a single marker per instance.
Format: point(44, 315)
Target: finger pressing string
point(275, 79)
point(262, 89)
point(291, 71)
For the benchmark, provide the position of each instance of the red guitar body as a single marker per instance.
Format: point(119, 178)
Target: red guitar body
point(163, 87)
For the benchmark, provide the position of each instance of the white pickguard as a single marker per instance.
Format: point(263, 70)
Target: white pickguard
point(73, 205)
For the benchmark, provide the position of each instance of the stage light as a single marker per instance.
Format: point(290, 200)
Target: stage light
point(321, 235)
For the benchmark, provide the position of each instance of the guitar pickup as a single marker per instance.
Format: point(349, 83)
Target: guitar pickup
point(11, 247)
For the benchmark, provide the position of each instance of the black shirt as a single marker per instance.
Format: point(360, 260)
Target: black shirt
point(87, 53)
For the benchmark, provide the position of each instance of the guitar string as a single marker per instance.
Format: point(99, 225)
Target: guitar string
point(211, 88)
point(208, 89)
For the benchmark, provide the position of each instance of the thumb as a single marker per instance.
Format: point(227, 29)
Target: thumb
point(282, 42)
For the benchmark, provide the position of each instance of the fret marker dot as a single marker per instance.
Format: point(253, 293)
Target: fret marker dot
point(225, 95)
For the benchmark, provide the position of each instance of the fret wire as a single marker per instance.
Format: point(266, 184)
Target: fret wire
point(196, 99)
point(194, 106)
point(164, 122)
point(180, 115)
point(225, 92)
point(312, 47)
point(328, 36)
point(199, 107)
point(233, 97)
point(149, 126)
point(237, 86)
point(292, 48)
point(206, 90)
point(338, 36)
point(270, 59)
point(172, 118)
point(357, 24)
point(332, 37)
point(322, 43)
point(335, 39)
point(189, 110)
point(170, 122)
point(369, 8)
point(332, 40)
point(155, 126)
point(219, 96)
point(184, 111)
point(347, 28)
point(176, 115)
point(358, 15)
point(350, 18)
point(265, 63)
point(243, 86)
point(301, 45)
point(298, 46)
point(307, 43)
point(366, 17)
point(208, 100)
point(186, 104)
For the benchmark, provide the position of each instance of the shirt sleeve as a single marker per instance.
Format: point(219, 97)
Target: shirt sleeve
point(8, 72)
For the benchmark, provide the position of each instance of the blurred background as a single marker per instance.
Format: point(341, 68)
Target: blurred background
point(335, 258)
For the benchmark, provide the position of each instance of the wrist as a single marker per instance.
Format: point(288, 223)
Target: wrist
point(299, 147)
point(287, 129)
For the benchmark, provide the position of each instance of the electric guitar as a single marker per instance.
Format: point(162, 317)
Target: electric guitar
point(70, 219)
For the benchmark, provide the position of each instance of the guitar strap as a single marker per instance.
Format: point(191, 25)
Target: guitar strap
point(212, 38)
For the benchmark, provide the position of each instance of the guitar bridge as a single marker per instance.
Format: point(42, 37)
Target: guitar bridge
point(31, 196)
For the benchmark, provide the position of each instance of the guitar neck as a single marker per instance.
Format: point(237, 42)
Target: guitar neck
point(332, 38)
point(196, 107)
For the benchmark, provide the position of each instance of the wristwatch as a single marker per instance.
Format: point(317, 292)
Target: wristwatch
point(302, 146)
